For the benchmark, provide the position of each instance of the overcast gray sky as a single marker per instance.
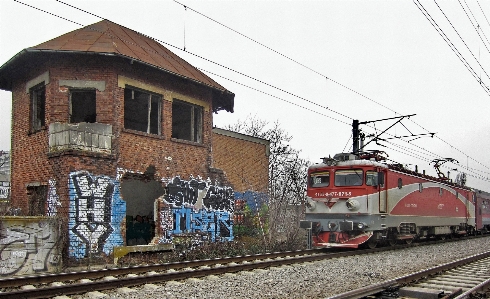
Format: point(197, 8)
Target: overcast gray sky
point(364, 60)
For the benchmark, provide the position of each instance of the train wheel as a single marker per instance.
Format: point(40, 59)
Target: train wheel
point(371, 243)
point(409, 241)
point(442, 237)
point(392, 242)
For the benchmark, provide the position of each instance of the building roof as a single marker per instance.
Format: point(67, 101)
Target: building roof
point(108, 38)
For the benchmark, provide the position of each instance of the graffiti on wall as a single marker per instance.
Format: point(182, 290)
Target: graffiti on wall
point(4, 192)
point(96, 214)
point(254, 200)
point(198, 206)
point(28, 245)
point(53, 200)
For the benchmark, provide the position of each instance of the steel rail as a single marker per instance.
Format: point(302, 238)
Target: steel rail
point(48, 278)
point(154, 278)
point(403, 280)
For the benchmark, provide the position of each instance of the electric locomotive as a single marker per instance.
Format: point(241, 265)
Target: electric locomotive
point(355, 200)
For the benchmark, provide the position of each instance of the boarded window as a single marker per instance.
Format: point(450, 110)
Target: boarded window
point(142, 111)
point(37, 199)
point(38, 107)
point(82, 106)
point(187, 121)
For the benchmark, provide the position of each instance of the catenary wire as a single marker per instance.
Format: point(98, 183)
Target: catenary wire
point(150, 37)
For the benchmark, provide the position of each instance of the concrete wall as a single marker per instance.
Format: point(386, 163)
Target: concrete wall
point(29, 245)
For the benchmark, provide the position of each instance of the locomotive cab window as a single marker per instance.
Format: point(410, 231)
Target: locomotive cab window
point(320, 179)
point(350, 177)
point(372, 178)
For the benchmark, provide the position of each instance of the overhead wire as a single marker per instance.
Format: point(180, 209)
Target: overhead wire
point(338, 83)
point(214, 63)
point(482, 68)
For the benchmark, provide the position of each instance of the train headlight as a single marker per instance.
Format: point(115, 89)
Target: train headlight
point(311, 205)
point(360, 225)
point(353, 205)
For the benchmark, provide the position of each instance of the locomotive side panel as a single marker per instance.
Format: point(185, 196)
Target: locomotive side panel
point(483, 210)
point(428, 203)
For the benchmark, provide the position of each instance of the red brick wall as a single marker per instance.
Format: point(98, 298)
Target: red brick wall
point(245, 163)
point(134, 151)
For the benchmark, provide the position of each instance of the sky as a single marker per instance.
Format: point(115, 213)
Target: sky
point(314, 67)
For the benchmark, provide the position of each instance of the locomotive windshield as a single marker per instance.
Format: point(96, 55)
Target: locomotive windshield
point(320, 179)
point(350, 177)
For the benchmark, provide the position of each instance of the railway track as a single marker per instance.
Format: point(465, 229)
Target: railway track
point(46, 286)
point(459, 279)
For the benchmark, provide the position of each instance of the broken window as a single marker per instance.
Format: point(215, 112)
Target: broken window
point(37, 199)
point(142, 111)
point(38, 107)
point(82, 106)
point(186, 121)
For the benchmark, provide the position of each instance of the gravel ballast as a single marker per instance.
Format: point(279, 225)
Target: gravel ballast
point(313, 280)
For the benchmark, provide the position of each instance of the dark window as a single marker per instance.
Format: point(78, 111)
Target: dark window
point(400, 184)
point(371, 178)
point(142, 111)
point(320, 179)
point(351, 177)
point(421, 187)
point(186, 121)
point(37, 199)
point(82, 106)
point(38, 107)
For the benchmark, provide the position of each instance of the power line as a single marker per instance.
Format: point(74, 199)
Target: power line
point(221, 66)
point(462, 39)
point(451, 45)
point(338, 83)
point(478, 26)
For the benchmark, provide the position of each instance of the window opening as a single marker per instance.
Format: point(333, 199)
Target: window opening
point(82, 106)
point(351, 177)
point(142, 111)
point(440, 191)
point(400, 183)
point(37, 199)
point(320, 179)
point(38, 107)
point(421, 187)
point(187, 121)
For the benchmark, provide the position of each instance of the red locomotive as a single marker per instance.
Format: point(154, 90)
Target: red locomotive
point(355, 199)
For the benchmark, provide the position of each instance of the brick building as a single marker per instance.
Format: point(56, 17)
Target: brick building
point(114, 133)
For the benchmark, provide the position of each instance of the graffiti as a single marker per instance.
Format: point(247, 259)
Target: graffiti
point(95, 210)
point(53, 199)
point(28, 247)
point(197, 206)
point(198, 194)
point(166, 224)
point(254, 200)
point(4, 192)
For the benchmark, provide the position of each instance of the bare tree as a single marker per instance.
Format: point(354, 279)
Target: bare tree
point(287, 183)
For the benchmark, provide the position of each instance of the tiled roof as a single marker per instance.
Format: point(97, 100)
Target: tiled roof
point(106, 37)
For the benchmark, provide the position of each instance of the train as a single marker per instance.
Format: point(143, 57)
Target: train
point(359, 200)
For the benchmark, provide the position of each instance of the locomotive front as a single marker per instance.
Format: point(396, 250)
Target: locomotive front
point(346, 201)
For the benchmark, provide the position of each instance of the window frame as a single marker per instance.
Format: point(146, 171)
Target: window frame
point(196, 121)
point(37, 110)
point(149, 123)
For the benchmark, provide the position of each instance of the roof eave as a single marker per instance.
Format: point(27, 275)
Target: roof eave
point(223, 98)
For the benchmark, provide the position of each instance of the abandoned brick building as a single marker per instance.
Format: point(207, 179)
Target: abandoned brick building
point(113, 134)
